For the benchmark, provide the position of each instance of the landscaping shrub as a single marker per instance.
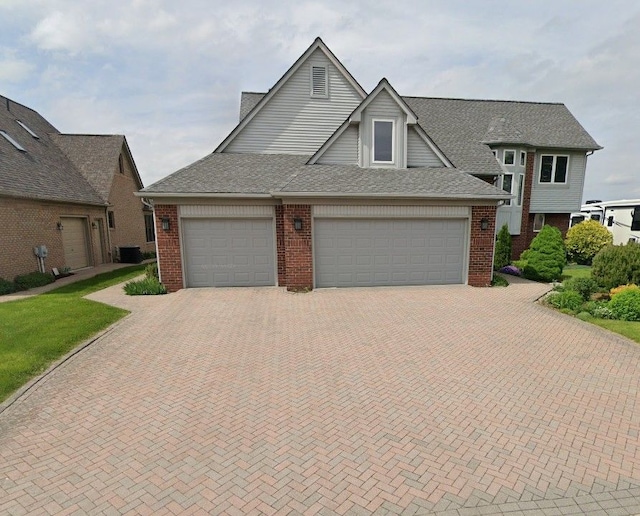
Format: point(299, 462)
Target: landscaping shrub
point(6, 287)
point(626, 305)
point(510, 269)
point(583, 316)
point(622, 288)
point(568, 300)
point(602, 312)
point(145, 287)
point(584, 240)
point(502, 255)
point(617, 265)
point(499, 281)
point(546, 257)
point(583, 286)
point(151, 271)
point(147, 255)
point(33, 280)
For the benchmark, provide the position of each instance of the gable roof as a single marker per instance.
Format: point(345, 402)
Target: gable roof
point(42, 170)
point(384, 85)
point(317, 44)
point(462, 129)
point(96, 156)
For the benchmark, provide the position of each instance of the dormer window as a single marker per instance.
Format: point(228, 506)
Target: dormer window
point(319, 82)
point(383, 141)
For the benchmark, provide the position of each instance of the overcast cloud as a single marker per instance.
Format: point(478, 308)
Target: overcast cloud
point(169, 74)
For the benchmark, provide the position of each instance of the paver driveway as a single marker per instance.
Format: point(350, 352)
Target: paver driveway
point(448, 400)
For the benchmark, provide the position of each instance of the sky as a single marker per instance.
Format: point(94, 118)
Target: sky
point(168, 74)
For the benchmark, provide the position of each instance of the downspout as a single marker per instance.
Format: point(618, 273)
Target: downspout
point(107, 231)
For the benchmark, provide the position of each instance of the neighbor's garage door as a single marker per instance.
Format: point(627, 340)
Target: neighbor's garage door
point(74, 241)
point(368, 252)
point(228, 252)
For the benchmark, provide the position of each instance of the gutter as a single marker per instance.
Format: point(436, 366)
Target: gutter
point(154, 195)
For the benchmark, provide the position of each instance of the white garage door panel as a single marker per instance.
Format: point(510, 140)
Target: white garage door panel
point(74, 240)
point(367, 252)
point(228, 252)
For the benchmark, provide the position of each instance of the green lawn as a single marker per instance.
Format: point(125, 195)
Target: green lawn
point(576, 271)
point(36, 331)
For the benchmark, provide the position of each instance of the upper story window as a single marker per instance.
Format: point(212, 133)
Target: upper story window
point(509, 157)
point(523, 158)
point(12, 141)
point(553, 169)
point(319, 82)
point(383, 141)
point(507, 186)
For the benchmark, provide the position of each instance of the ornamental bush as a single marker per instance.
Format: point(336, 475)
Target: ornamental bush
point(6, 287)
point(617, 265)
point(144, 287)
point(568, 300)
point(502, 255)
point(583, 286)
point(626, 305)
point(546, 256)
point(33, 280)
point(584, 240)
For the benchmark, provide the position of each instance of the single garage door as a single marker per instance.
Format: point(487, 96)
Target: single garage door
point(369, 252)
point(74, 241)
point(228, 252)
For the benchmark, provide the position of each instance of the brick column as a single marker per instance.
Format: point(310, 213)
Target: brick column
point(521, 242)
point(280, 248)
point(169, 260)
point(482, 245)
point(297, 245)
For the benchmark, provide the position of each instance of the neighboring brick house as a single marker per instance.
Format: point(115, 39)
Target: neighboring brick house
point(324, 185)
point(61, 191)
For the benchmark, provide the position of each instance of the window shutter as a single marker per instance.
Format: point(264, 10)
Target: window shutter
point(318, 81)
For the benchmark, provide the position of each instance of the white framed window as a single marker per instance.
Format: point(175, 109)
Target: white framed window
point(509, 157)
point(507, 185)
point(319, 82)
point(520, 189)
point(523, 158)
point(554, 169)
point(383, 139)
point(538, 222)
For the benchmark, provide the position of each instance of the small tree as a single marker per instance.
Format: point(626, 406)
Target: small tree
point(546, 256)
point(617, 265)
point(502, 255)
point(584, 240)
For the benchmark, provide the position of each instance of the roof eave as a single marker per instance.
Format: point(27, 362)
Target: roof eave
point(399, 195)
point(231, 195)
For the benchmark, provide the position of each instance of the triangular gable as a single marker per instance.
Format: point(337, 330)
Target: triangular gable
point(318, 44)
point(384, 85)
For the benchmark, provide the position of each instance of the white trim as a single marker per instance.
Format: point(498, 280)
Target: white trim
point(520, 190)
point(504, 154)
point(356, 116)
point(312, 93)
point(507, 202)
point(373, 141)
point(155, 195)
point(346, 211)
point(231, 211)
point(427, 139)
point(326, 145)
point(553, 169)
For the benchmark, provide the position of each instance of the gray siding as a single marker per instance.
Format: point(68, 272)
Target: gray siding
point(419, 154)
point(562, 198)
point(383, 106)
point(344, 151)
point(293, 122)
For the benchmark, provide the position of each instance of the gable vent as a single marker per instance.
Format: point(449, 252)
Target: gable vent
point(319, 81)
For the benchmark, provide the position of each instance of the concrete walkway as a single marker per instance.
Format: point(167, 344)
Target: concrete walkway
point(434, 400)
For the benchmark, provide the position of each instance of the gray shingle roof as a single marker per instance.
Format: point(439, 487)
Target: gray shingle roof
point(462, 127)
point(249, 100)
point(43, 171)
point(96, 156)
point(285, 174)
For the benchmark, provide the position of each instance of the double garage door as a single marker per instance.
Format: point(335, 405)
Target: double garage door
point(225, 252)
point(368, 252)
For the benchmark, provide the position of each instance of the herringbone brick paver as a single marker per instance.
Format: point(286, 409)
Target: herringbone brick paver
point(435, 400)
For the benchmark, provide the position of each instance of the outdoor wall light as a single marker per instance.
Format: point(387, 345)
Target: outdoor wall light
point(94, 225)
point(297, 223)
point(59, 226)
point(166, 223)
point(484, 224)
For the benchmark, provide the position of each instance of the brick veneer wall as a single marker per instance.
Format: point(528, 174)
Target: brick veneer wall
point(28, 223)
point(169, 261)
point(297, 245)
point(280, 250)
point(482, 245)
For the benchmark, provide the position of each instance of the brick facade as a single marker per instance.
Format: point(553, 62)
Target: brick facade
point(282, 263)
point(298, 247)
point(28, 223)
point(482, 245)
point(169, 259)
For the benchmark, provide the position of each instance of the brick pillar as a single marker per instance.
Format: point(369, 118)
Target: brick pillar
point(168, 242)
point(280, 246)
point(297, 245)
point(482, 245)
point(521, 242)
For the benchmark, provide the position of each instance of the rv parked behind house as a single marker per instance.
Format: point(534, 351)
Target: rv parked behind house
point(621, 217)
